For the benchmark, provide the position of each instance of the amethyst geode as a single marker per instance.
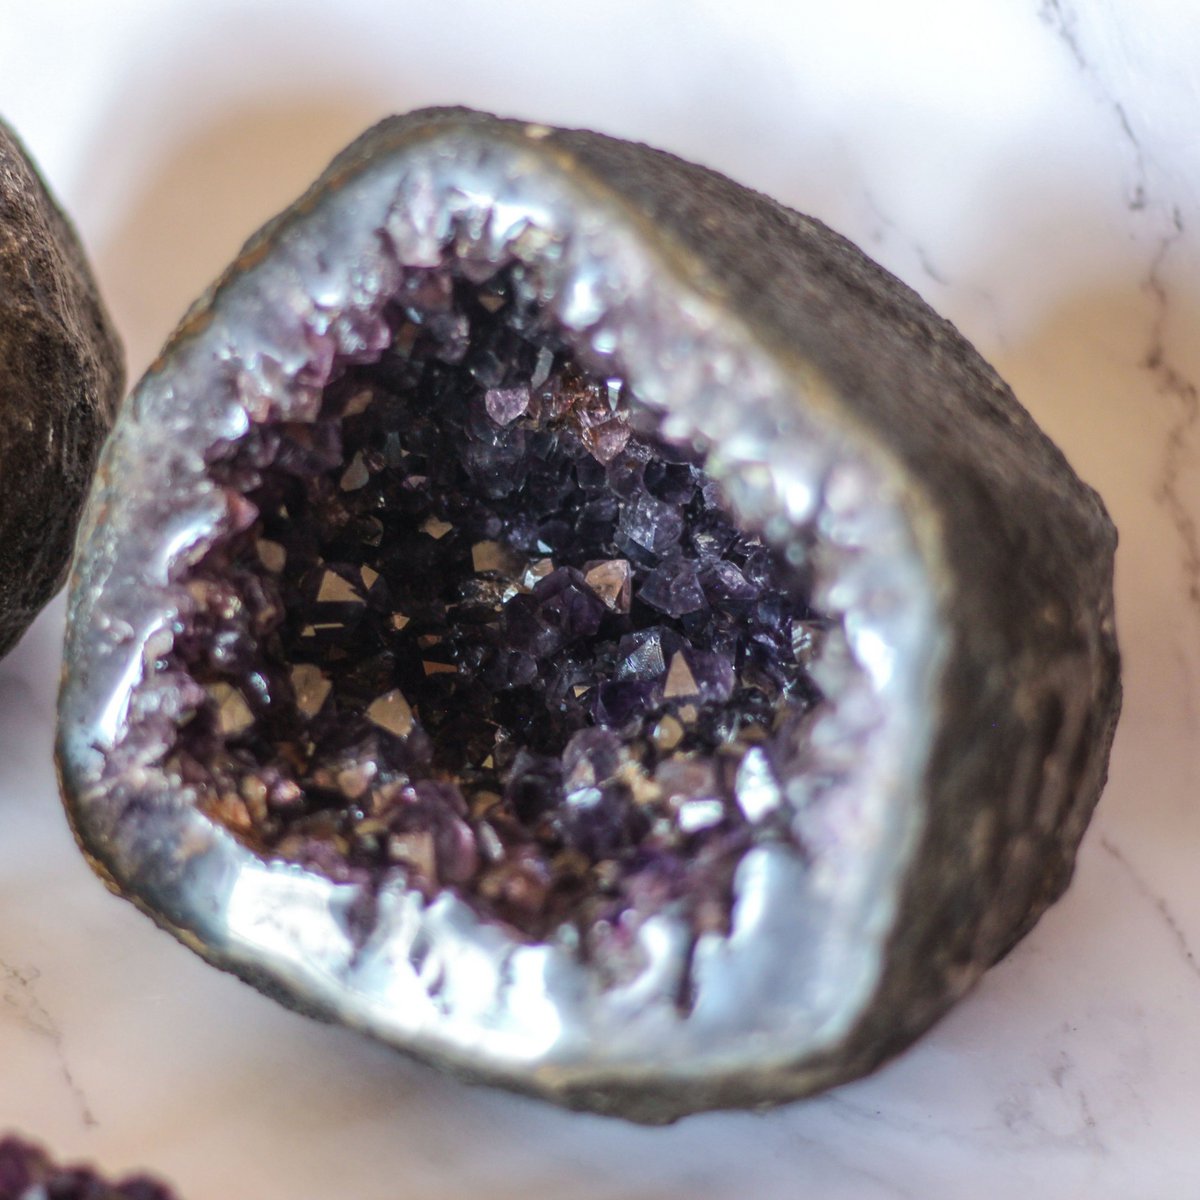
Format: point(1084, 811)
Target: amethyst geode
point(61, 377)
point(586, 625)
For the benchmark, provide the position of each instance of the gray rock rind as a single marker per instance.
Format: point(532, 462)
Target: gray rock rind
point(1030, 692)
point(61, 378)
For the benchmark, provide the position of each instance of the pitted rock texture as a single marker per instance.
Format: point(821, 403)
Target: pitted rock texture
point(61, 378)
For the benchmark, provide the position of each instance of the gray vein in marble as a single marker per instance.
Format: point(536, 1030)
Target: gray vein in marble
point(1023, 1112)
point(18, 994)
point(887, 228)
point(1020, 1113)
point(885, 1187)
point(1157, 902)
point(1061, 19)
point(1172, 382)
point(1064, 1075)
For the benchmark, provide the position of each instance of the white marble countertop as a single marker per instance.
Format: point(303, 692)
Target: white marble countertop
point(1031, 167)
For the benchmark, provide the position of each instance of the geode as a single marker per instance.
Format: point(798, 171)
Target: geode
point(572, 618)
point(61, 378)
point(29, 1173)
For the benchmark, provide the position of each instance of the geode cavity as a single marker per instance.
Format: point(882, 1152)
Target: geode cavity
point(588, 626)
point(61, 377)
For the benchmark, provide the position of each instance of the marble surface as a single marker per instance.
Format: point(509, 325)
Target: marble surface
point(1031, 167)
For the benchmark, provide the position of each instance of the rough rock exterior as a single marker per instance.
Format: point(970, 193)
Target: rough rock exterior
point(61, 378)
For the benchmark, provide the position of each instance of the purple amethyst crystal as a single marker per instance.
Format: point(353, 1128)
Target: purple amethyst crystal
point(673, 588)
point(626, 703)
point(505, 405)
point(28, 1173)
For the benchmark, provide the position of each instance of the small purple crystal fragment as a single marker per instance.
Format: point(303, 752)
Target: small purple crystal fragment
point(28, 1173)
point(619, 702)
point(673, 588)
point(428, 834)
point(676, 483)
point(528, 631)
point(601, 821)
point(534, 785)
point(568, 604)
point(650, 523)
point(712, 673)
point(591, 756)
point(505, 405)
point(723, 582)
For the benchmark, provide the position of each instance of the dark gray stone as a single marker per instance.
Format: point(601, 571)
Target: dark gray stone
point(61, 377)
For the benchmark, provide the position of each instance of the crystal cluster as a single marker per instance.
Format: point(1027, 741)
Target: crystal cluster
point(479, 624)
point(27, 1173)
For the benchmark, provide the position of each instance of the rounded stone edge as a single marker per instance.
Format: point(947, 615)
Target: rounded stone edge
point(61, 380)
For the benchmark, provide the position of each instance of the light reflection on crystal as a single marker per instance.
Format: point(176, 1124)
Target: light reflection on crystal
point(272, 555)
point(311, 687)
point(490, 556)
point(668, 733)
point(391, 711)
point(610, 581)
point(694, 815)
point(757, 790)
point(233, 713)
point(680, 681)
point(335, 590)
point(505, 405)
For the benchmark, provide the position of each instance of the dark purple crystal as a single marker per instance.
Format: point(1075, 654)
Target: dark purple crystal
point(473, 629)
point(28, 1173)
point(673, 588)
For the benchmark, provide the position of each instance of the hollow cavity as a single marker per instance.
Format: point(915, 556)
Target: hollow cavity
point(481, 625)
